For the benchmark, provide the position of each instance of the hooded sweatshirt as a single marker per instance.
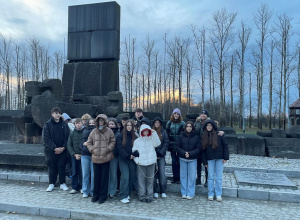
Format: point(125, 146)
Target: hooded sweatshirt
point(146, 145)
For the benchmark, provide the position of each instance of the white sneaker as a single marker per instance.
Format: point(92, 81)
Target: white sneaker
point(184, 197)
point(85, 196)
point(210, 198)
point(50, 187)
point(128, 197)
point(219, 198)
point(81, 191)
point(189, 197)
point(73, 191)
point(124, 201)
point(64, 187)
point(155, 195)
point(163, 195)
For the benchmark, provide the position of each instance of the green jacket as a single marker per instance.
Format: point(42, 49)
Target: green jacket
point(74, 141)
point(174, 130)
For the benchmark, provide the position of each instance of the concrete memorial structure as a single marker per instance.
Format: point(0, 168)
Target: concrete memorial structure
point(274, 180)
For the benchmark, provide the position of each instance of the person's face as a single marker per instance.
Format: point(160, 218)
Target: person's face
point(129, 126)
point(84, 121)
point(119, 125)
point(145, 132)
point(111, 124)
point(101, 121)
point(156, 124)
point(203, 116)
point(189, 128)
point(209, 127)
point(56, 115)
point(176, 115)
point(79, 125)
point(138, 114)
point(123, 122)
point(91, 122)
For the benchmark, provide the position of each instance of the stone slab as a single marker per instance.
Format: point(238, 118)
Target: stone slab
point(253, 194)
point(3, 176)
point(229, 192)
point(57, 213)
point(275, 180)
point(278, 133)
point(19, 209)
point(24, 177)
point(284, 196)
point(291, 152)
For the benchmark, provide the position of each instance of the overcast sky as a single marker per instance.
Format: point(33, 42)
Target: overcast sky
point(47, 20)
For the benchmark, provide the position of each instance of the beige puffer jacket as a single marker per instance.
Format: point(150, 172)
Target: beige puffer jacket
point(101, 142)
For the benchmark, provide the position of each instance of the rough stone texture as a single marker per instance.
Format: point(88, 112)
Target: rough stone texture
point(264, 133)
point(52, 85)
point(278, 133)
point(19, 209)
point(229, 192)
point(8, 131)
point(251, 145)
point(284, 196)
point(94, 31)
point(227, 130)
point(282, 141)
point(253, 194)
point(274, 180)
point(23, 177)
point(292, 152)
point(293, 129)
point(232, 141)
point(58, 213)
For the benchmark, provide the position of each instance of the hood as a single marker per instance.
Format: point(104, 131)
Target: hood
point(210, 121)
point(66, 116)
point(145, 120)
point(157, 119)
point(144, 127)
point(105, 120)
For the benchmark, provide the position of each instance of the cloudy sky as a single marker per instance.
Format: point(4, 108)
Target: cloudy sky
point(47, 20)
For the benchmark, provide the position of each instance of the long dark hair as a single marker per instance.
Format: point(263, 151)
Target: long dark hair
point(189, 123)
point(158, 130)
point(209, 138)
point(133, 136)
point(172, 119)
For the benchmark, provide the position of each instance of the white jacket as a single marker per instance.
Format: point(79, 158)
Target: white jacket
point(146, 147)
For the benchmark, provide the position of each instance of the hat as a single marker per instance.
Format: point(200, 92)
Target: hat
point(205, 112)
point(66, 116)
point(145, 120)
point(210, 121)
point(176, 110)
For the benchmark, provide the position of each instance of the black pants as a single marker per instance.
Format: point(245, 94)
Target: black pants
point(199, 168)
point(101, 177)
point(175, 166)
point(56, 165)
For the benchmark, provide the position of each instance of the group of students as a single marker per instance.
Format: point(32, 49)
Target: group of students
point(98, 147)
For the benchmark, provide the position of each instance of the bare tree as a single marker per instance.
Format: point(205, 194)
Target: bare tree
point(261, 19)
point(221, 39)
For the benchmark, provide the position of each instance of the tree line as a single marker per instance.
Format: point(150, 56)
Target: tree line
point(232, 68)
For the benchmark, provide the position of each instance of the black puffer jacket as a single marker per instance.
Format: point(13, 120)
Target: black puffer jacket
point(49, 136)
point(124, 151)
point(174, 130)
point(116, 133)
point(221, 152)
point(163, 147)
point(188, 143)
point(85, 134)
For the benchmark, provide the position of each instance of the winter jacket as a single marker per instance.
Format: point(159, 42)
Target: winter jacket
point(49, 134)
point(221, 152)
point(74, 141)
point(174, 130)
point(163, 147)
point(146, 147)
point(124, 151)
point(85, 134)
point(116, 133)
point(189, 143)
point(101, 143)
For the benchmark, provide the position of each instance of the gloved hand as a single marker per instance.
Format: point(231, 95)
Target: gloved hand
point(136, 153)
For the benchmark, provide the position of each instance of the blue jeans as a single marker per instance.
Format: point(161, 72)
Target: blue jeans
point(175, 166)
point(188, 173)
point(113, 178)
point(161, 176)
point(215, 173)
point(87, 175)
point(76, 174)
point(128, 177)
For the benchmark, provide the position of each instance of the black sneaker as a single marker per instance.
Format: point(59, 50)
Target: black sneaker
point(94, 199)
point(143, 200)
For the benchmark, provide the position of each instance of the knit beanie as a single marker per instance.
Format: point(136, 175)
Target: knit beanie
point(205, 112)
point(176, 110)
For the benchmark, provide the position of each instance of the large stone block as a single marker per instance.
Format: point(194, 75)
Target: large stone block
point(291, 152)
point(251, 145)
point(282, 141)
point(278, 133)
point(8, 131)
point(284, 196)
point(94, 31)
point(227, 130)
point(253, 194)
point(232, 141)
point(264, 133)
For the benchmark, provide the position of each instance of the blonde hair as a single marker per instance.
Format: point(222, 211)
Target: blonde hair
point(86, 116)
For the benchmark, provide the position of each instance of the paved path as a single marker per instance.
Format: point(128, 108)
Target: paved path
point(29, 198)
